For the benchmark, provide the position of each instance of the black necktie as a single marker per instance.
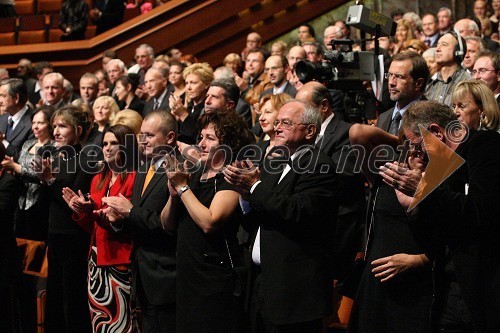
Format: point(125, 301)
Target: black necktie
point(394, 129)
point(10, 128)
point(157, 104)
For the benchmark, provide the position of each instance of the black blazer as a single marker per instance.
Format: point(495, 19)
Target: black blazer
point(153, 258)
point(21, 133)
point(137, 104)
point(112, 15)
point(296, 238)
point(469, 225)
point(352, 206)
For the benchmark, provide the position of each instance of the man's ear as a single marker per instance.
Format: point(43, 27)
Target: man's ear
point(311, 131)
point(437, 130)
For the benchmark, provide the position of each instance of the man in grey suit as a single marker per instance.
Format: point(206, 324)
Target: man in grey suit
point(155, 85)
point(15, 124)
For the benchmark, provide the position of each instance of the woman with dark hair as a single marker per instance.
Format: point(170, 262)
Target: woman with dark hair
point(32, 214)
point(109, 257)
point(177, 80)
point(66, 164)
point(203, 208)
point(125, 88)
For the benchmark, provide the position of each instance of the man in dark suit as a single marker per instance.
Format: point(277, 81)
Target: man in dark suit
point(333, 140)
point(276, 68)
point(107, 14)
point(430, 29)
point(464, 208)
point(153, 261)
point(292, 248)
point(155, 85)
point(15, 124)
point(408, 75)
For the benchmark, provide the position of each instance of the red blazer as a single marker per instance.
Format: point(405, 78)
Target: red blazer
point(112, 248)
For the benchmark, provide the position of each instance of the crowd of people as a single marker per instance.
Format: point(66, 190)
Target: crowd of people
point(175, 197)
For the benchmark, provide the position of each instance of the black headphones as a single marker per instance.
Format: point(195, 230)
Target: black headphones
point(460, 49)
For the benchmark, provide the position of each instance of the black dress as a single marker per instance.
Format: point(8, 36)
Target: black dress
point(402, 304)
point(205, 283)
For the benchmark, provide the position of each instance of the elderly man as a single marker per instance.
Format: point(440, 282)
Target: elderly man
point(153, 261)
point(115, 68)
point(449, 55)
point(331, 32)
point(89, 87)
point(144, 56)
point(467, 27)
point(487, 69)
point(445, 20)
point(465, 210)
point(474, 45)
point(276, 68)
point(15, 124)
point(53, 88)
point(254, 41)
point(155, 85)
point(285, 203)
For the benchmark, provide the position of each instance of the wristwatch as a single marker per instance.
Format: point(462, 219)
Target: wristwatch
point(183, 189)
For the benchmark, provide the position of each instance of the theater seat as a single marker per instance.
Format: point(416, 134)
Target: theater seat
point(32, 29)
point(8, 27)
point(24, 7)
point(54, 32)
point(49, 6)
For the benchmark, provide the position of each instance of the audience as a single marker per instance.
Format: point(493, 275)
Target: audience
point(175, 92)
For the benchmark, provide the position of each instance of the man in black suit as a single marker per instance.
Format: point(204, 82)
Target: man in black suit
point(464, 209)
point(407, 76)
point(333, 140)
point(153, 261)
point(276, 68)
point(155, 85)
point(107, 14)
point(15, 124)
point(292, 248)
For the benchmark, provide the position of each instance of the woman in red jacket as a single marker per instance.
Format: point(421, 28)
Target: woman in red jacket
point(109, 263)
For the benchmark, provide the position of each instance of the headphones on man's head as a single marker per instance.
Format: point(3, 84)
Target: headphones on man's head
point(460, 49)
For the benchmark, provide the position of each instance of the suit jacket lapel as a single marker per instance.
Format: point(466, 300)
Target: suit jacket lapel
point(329, 134)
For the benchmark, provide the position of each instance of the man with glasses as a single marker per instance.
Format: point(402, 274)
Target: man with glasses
point(276, 68)
point(407, 77)
point(487, 69)
point(285, 204)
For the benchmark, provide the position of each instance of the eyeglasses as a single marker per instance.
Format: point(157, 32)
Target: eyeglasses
point(286, 124)
point(481, 71)
point(267, 70)
point(397, 77)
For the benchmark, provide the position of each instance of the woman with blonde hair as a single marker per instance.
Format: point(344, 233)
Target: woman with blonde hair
point(198, 77)
point(475, 105)
point(414, 45)
point(130, 118)
point(233, 62)
point(105, 109)
point(404, 32)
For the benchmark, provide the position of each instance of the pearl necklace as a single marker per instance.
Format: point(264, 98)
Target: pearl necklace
point(63, 157)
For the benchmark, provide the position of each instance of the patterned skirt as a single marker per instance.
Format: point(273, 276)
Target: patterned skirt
point(109, 297)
